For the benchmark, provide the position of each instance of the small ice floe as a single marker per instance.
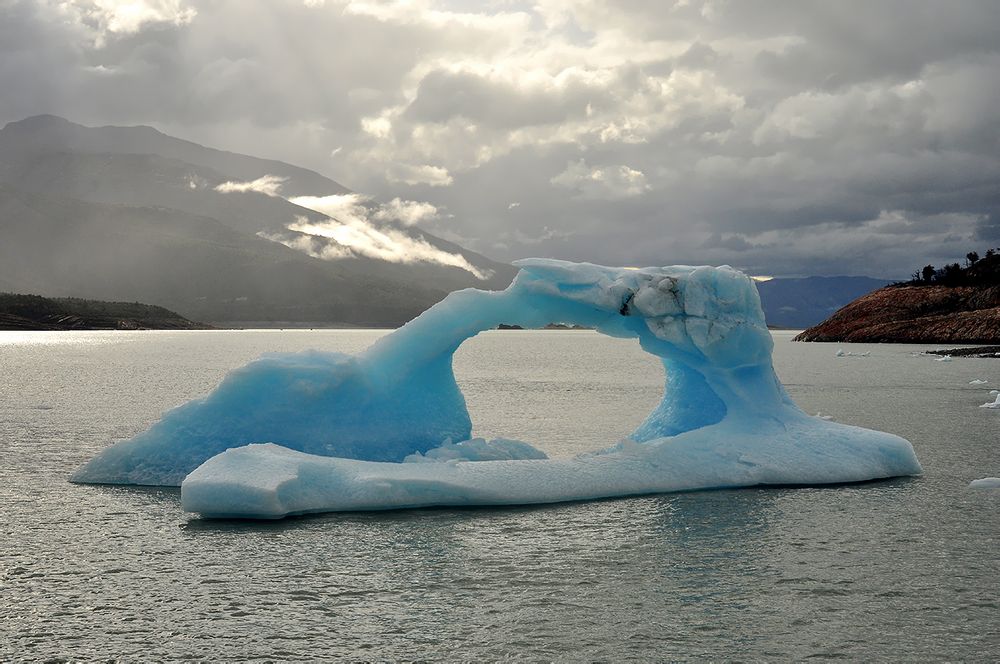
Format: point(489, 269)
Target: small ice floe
point(840, 352)
point(994, 392)
point(850, 353)
point(821, 416)
point(946, 358)
point(985, 483)
point(978, 381)
point(992, 404)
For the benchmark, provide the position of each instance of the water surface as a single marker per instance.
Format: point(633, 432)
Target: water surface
point(902, 569)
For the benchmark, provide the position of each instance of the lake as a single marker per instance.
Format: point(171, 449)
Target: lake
point(903, 569)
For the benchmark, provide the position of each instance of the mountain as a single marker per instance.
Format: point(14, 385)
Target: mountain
point(928, 314)
point(115, 199)
point(195, 265)
point(31, 312)
point(802, 302)
point(50, 134)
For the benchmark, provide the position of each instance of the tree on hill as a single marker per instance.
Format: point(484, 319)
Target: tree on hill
point(978, 271)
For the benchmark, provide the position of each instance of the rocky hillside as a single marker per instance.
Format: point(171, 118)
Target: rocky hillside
point(916, 313)
point(31, 312)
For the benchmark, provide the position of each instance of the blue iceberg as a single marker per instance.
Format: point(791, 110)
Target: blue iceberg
point(388, 428)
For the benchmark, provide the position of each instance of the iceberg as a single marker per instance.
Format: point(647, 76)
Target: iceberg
point(314, 432)
point(985, 483)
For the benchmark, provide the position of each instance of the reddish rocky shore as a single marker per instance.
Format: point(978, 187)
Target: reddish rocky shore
point(915, 314)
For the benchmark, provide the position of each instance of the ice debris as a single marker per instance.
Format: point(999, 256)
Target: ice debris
point(992, 404)
point(313, 432)
point(978, 381)
point(985, 483)
point(944, 358)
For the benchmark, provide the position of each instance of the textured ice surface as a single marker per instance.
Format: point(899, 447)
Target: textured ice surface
point(337, 427)
point(478, 449)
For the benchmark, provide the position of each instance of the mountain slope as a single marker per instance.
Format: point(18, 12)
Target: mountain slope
point(195, 265)
point(803, 302)
point(143, 167)
point(48, 134)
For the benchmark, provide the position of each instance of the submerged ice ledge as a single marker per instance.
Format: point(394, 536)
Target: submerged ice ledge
point(338, 427)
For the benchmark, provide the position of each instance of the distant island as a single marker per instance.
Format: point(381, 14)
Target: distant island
point(956, 304)
point(33, 312)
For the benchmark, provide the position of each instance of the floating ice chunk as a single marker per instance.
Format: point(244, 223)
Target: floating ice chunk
point(840, 352)
point(337, 427)
point(478, 449)
point(269, 481)
point(994, 392)
point(992, 404)
point(850, 353)
point(944, 358)
point(821, 416)
point(978, 381)
point(985, 483)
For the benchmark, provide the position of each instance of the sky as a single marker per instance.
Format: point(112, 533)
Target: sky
point(783, 138)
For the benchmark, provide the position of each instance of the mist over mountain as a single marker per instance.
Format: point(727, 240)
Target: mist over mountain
point(131, 213)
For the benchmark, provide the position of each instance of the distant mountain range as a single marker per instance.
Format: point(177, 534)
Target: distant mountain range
point(129, 213)
point(799, 303)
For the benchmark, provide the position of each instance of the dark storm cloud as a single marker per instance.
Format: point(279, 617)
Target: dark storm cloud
point(804, 137)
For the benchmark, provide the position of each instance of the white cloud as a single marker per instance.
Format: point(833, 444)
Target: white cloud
point(266, 184)
point(608, 182)
point(353, 227)
point(130, 16)
point(435, 176)
point(99, 19)
point(408, 213)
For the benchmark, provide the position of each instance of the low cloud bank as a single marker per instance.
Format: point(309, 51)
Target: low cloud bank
point(357, 227)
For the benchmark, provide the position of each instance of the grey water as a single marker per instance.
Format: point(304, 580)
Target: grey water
point(903, 569)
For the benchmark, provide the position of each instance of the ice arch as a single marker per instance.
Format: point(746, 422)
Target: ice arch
point(337, 426)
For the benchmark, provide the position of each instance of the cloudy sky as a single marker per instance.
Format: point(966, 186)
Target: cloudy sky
point(783, 138)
